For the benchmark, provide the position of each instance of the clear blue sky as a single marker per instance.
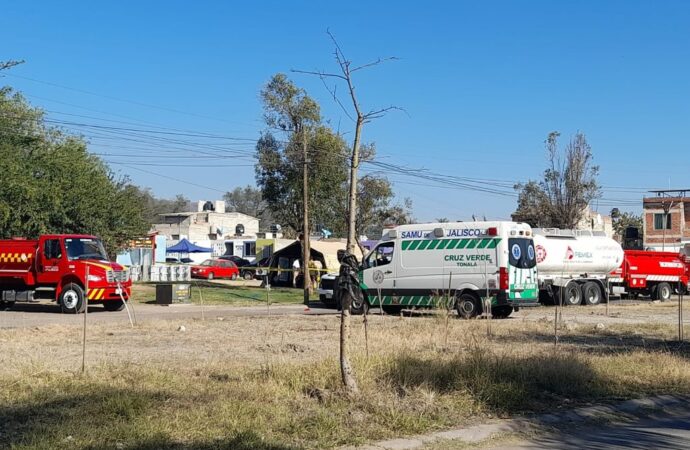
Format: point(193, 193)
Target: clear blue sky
point(482, 82)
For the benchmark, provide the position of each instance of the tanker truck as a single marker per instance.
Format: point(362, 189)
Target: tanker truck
point(656, 274)
point(573, 265)
point(68, 269)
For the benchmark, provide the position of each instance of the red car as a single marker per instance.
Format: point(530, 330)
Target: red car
point(216, 268)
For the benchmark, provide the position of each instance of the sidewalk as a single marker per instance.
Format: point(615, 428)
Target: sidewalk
point(591, 415)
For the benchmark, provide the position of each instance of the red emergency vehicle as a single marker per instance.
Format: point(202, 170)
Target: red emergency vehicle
point(656, 274)
point(55, 267)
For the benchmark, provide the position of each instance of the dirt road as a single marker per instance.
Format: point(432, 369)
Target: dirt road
point(31, 315)
point(618, 312)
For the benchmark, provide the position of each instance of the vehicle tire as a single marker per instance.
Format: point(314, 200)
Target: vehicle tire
point(652, 292)
point(591, 293)
point(501, 312)
point(663, 291)
point(248, 275)
point(210, 276)
point(114, 305)
point(5, 305)
point(393, 310)
point(546, 297)
point(234, 276)
point(359, 307)
point(468, 305)
point(572, 295)
point(72, 299)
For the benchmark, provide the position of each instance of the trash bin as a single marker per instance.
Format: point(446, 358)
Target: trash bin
point(168, 293)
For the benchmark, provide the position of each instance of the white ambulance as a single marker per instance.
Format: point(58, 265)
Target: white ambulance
point(413, 265)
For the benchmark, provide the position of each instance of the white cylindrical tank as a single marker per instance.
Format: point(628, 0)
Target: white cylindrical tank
point(567, 253)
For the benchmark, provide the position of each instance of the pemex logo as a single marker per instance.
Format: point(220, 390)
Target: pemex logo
point(569, 254)
point(541, 253)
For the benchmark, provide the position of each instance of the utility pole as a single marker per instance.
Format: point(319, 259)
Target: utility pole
point(306, 248)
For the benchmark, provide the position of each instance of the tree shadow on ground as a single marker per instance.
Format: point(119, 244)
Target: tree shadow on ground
point(602, 343)
point(501, 384)
point(100, 419)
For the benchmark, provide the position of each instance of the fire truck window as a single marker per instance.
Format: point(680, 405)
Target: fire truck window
point(52, 249)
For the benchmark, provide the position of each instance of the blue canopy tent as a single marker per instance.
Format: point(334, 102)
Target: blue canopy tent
point(184, 246)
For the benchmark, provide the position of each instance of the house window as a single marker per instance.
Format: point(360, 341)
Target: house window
point(250, 249)
point(662, 221)
point(175, 237)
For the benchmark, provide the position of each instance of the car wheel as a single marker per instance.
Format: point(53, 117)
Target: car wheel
point(248, 275)
point(234, 276)
point(210, 276)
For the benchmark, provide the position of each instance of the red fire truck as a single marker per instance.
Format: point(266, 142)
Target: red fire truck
point(656, 274)
point(55, 267)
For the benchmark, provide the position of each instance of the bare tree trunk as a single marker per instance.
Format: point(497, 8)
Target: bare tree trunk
point(306, 247)
point(346, 371)
point(352, 207)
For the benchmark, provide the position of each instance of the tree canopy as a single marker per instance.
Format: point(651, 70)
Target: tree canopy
point(280, 164)
point(569, 184)
point(52, 184)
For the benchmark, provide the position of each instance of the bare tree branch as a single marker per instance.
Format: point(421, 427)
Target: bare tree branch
point(380, 113)
point(374, 63)
point(318, 73)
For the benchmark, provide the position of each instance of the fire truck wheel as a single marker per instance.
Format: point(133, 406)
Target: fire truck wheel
point(72, 299)
point(663, 291)
point(5, 305)
point(591, 293)
point(572, 295)
point(114, 305)
point(468, 305)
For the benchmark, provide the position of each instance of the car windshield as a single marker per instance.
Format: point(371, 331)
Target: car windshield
point(85, 248)
point(208, 262)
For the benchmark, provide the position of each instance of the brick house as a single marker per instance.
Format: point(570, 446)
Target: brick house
point(666, 220)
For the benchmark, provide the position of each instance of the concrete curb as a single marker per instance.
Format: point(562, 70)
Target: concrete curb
point(478, 433)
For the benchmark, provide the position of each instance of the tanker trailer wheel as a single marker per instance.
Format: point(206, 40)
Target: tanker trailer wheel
point(72, 299)
point(468, 305)
point(114, 305)
point(591, 293)
point(572, 295)
point(663, 292)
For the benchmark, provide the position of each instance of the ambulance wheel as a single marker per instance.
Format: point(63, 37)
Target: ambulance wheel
point(114, 305)
point(663, 291)
point(468, 305)
point(591, 293)
point(501, 312)
point(572, 295)
point(359, 307)
point(72, 299)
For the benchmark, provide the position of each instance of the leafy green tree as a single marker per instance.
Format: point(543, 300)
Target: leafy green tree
point(52, 184)
point(569, 185)
point(623, 220)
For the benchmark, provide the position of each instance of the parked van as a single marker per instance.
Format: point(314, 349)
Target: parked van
point(415, 264)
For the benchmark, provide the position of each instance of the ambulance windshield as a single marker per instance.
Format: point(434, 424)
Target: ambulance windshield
point(85, 248)
point(381, 255)
point(521, 253)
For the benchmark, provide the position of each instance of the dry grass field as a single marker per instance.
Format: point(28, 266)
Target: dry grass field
point(273, 382)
